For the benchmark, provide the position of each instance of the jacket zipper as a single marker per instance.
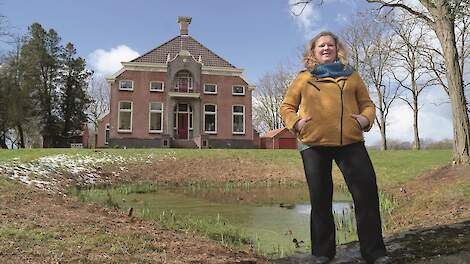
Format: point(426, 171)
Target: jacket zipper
point(342, 110)
point(342, 114)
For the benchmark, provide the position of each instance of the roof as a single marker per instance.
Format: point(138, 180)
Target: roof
point(273, 133)
point(185, 42)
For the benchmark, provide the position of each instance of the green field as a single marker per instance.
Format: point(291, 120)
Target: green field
point(394, 169)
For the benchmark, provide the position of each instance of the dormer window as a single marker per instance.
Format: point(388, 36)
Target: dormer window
point(126, 85)
point(238, 90)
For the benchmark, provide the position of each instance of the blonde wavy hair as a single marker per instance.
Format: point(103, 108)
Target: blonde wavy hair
point(309, 54)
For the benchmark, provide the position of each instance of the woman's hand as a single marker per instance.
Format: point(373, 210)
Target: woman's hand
point(363, 121)
point(301, 123)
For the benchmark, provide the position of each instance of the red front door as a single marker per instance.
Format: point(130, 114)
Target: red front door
point(183, 125)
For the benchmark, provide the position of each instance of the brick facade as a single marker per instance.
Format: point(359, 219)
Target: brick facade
point(181, 102)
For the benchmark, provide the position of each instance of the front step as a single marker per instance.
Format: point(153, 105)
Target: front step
point(183, 143)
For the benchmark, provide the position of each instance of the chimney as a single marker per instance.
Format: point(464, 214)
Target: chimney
point(184, 23)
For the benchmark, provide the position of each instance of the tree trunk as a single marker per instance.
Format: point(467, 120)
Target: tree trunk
point(416, 143)
point(21, 135)
point(446, 35)
point(3, 141)
point(383, 145)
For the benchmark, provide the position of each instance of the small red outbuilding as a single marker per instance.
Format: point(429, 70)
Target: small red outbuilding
point(280, 138)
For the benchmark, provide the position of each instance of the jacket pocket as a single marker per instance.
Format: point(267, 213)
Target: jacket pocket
point(358, 124)
point(303, 129)
point(311, 132)
point(352, 130)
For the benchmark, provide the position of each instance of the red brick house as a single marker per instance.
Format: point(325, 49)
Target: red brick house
point(280, 138)
point(180, 94)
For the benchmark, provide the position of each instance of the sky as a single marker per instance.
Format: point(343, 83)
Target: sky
point(257, 36)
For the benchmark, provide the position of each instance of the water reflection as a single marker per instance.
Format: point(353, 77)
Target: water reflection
point(276, 218)
point(339, 208)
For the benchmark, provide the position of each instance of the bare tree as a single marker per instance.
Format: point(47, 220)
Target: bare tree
point(98, 90)
point(411, 39)
point(370, 43)
point(268, 97)
point(4, 34)
point(441, 16)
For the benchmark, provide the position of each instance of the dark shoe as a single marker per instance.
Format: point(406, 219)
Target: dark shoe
point(383, 260)
point(321, 260)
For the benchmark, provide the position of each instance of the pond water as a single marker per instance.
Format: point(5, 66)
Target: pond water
point(275, 219)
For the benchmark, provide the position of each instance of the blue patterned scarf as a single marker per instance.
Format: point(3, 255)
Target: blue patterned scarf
point(332, 69)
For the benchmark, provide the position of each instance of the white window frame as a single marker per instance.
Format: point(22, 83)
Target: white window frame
point(206, 92)
point(119, 116)
point(204, 119)
point(126, 89)
point(190, 116)
point(189, 80)
point(155, 112)
point(156, 90)
point(107, 132)
point(233, 119)
point(244, 89)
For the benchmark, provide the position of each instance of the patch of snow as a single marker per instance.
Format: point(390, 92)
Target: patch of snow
point(47, 172)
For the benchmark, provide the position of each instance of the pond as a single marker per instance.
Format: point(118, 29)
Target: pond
point(272, 220)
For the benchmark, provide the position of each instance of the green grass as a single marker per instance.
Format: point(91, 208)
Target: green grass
point(393, 168)
point(466, 189)
point(399, 166)
point(52, 242)
point(26, 155)
point(25, 234)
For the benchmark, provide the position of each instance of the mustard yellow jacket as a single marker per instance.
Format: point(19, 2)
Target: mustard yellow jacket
point(330, 103)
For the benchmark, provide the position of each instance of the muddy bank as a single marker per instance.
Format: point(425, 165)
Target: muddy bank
point(446, 244)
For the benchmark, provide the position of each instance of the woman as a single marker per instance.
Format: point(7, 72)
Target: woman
point(328, 107)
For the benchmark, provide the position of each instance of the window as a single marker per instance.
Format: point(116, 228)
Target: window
point(126, 85)
point(190, 117)
point(125, 116)
point(155, 117)
point(157, 86)
point(184, 81)
point(238, 119)
point(106, 135)
point(210, 88)
point(210, 118)
point(238, 90)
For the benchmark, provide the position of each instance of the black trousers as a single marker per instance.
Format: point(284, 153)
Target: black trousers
point(358, 172)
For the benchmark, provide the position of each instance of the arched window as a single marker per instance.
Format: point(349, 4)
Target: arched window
point(183, 81)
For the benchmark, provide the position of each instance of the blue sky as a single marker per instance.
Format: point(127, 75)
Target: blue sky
point(256, 35)
point(253, 35)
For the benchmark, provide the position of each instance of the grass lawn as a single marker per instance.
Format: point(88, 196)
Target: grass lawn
point(45, 234)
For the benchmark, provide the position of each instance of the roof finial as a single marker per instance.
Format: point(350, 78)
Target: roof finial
point(184, 23)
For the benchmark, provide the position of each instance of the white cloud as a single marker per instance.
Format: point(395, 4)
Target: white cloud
point(108, 62)
point(342, 18)
point(307, 18)
point(434, 121)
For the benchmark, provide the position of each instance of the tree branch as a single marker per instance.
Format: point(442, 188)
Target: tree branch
point(402, 6)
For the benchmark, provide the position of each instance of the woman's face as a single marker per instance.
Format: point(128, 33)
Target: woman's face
point(325, 50)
